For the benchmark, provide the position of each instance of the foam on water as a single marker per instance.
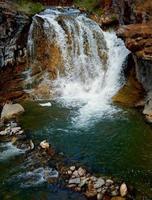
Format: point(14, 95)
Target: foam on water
point(8, 150)
point(36, 177)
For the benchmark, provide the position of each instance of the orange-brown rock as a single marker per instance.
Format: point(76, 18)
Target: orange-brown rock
point(138, 39)
point(131, 93)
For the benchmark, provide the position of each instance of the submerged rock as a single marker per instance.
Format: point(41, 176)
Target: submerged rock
point(10, 111)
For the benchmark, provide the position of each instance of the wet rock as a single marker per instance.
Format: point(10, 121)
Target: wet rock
point(2, 133)
point(91, 191)
point(117, 198)
point(109, 182)
point(69, 172)
point(123, 190)
point(99, 183)
point(93, 178)
point(75, 174)
point(16, 130)
point(74, 181)
point(72, 186)
point(99, 196)
point(72, 168)
point(31, 145)
point(84, 181)
point(81, 171)
point(44, 144)
point(10, 111)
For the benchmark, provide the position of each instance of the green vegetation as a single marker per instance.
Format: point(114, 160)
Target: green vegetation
point(29, 7)
point(90, 5)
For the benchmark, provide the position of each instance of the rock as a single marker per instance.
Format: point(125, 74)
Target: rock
point(117, 198)
point(138, 39)
point(13, 124)
point(91, 191)
point(109, 182)
point(123, 190)
point(1, 123)
point(72, 168)
point(72, 186)
point(31, 145)
point(16, 130)
point(75, 174)
point(14, 139)
point(81, 171)
point(74, 181)
point(44, 144)
point(99, 183)
point(11, 110)
point(2, 133)
point(99, 196)
point(93, 178)
point(83, 182)
point(69, 172)
point(114, 193)
point(20, 132)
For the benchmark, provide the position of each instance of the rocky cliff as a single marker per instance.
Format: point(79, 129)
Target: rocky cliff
point(13, 53)
point(137, 37)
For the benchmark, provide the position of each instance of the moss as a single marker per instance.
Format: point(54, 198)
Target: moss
point(90, 5)
point(29, 7)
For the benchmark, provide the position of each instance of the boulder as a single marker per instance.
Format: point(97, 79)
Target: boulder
point(11, 110)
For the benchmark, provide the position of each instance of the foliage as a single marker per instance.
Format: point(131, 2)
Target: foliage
point(90, 5)
point(29, 7)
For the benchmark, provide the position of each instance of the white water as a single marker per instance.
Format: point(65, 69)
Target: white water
point(8, 150)
point(89, 80)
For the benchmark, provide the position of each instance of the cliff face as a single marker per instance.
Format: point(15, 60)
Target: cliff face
point(138, 39)
point(13, 54)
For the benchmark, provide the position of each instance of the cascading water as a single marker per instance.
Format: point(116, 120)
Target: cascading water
point(91, 62)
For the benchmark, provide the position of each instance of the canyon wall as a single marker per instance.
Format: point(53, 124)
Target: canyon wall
point(14, 27)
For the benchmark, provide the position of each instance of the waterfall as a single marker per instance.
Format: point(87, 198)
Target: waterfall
point(89, 71)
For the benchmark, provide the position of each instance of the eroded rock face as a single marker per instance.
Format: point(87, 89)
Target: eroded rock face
point(14, 28)
point(138, 39)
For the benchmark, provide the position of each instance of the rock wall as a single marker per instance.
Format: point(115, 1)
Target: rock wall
point(14, 27)
point(138, 40)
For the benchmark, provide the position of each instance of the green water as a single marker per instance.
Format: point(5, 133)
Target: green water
point(119, 146)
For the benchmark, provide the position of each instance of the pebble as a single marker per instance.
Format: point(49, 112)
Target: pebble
point(31, 145)
point(99, 196)
point(44, 144)
point(15, 129)
point(72, 168)
point(123, 190)
point(74, 181)
point(99, 183)
point(3, 133)
point(75, 173)
point(83, 182)
point(81, 171)
point(69, 172)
